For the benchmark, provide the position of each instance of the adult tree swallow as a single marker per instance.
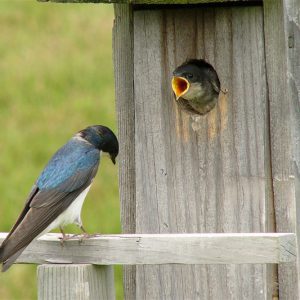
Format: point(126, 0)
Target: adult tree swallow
point(196, 86)
point(58, 194)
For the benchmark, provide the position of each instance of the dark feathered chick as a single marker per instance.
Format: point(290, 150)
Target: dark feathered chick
point(196, 86)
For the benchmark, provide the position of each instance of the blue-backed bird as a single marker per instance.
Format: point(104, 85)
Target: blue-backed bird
point(196, 86)
point(58, 194)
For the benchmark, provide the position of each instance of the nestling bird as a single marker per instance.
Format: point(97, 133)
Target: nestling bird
point(58, 194)
point(196, 86)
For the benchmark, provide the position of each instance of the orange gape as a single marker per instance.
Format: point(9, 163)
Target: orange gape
point(180, 86)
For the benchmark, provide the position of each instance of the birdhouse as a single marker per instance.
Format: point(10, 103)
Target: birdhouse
point(234, 169)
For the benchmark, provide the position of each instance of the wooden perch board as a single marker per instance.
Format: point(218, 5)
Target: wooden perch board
point(193, 248)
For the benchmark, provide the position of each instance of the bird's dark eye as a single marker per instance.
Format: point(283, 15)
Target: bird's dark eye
point(189, 75)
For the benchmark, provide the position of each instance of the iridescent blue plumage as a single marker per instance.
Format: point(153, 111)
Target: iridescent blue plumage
point(74, 157)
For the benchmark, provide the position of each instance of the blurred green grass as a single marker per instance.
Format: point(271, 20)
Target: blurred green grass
point(56, 77)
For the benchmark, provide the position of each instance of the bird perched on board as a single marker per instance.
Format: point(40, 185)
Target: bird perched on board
point(58, 194)
point(196, 86)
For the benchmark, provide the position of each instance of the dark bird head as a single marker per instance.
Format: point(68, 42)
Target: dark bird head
point(198, 82)
point(102, 138)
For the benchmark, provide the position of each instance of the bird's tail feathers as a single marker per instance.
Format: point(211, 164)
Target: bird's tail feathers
point(8, 260)
point(7, 263)
point(1, 254)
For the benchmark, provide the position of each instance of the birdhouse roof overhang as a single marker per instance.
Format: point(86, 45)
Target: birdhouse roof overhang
point(156, 2)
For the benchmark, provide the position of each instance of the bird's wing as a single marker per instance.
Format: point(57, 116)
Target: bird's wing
point(43, 208)
point(214, 80)
point(215, 87)
point(79, 181)
point(33, 192)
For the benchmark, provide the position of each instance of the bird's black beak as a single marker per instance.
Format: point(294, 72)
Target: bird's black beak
point(113, 158)
point(180, 86)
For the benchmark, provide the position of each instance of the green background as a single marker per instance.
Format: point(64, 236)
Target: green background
point(56, 77)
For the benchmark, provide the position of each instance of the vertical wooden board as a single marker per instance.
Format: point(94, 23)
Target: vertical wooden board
point(123, 62)
point(292, 34)
point(282, 35)
point(205, 175)
point(75, 282)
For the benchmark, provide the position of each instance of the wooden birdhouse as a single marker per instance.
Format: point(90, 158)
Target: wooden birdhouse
point(238, 170)
point(235, 169)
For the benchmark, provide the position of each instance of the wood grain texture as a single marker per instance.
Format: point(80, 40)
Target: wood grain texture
point(75, 282)
point(141, 249)
point(123, 63)
point(170, 2)
point(206, 175)
point(282, 43)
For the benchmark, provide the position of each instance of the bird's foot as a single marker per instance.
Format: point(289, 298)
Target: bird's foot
point(66, 237)
point(86, 236)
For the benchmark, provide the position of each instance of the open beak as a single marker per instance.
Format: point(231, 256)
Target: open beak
point(180, 86)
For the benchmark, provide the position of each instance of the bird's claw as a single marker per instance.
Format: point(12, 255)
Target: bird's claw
point(86, 236)
point(67, 237)
point(81, 237)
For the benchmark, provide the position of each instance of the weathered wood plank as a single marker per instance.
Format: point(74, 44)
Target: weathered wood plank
point(205, 175)
point(75, 282)
point(172, 2)
point(154, 2)
point(140, 249)
point(282, 36)
point(123, 70)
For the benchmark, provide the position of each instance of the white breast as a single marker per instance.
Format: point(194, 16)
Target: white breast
point(71, 214)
